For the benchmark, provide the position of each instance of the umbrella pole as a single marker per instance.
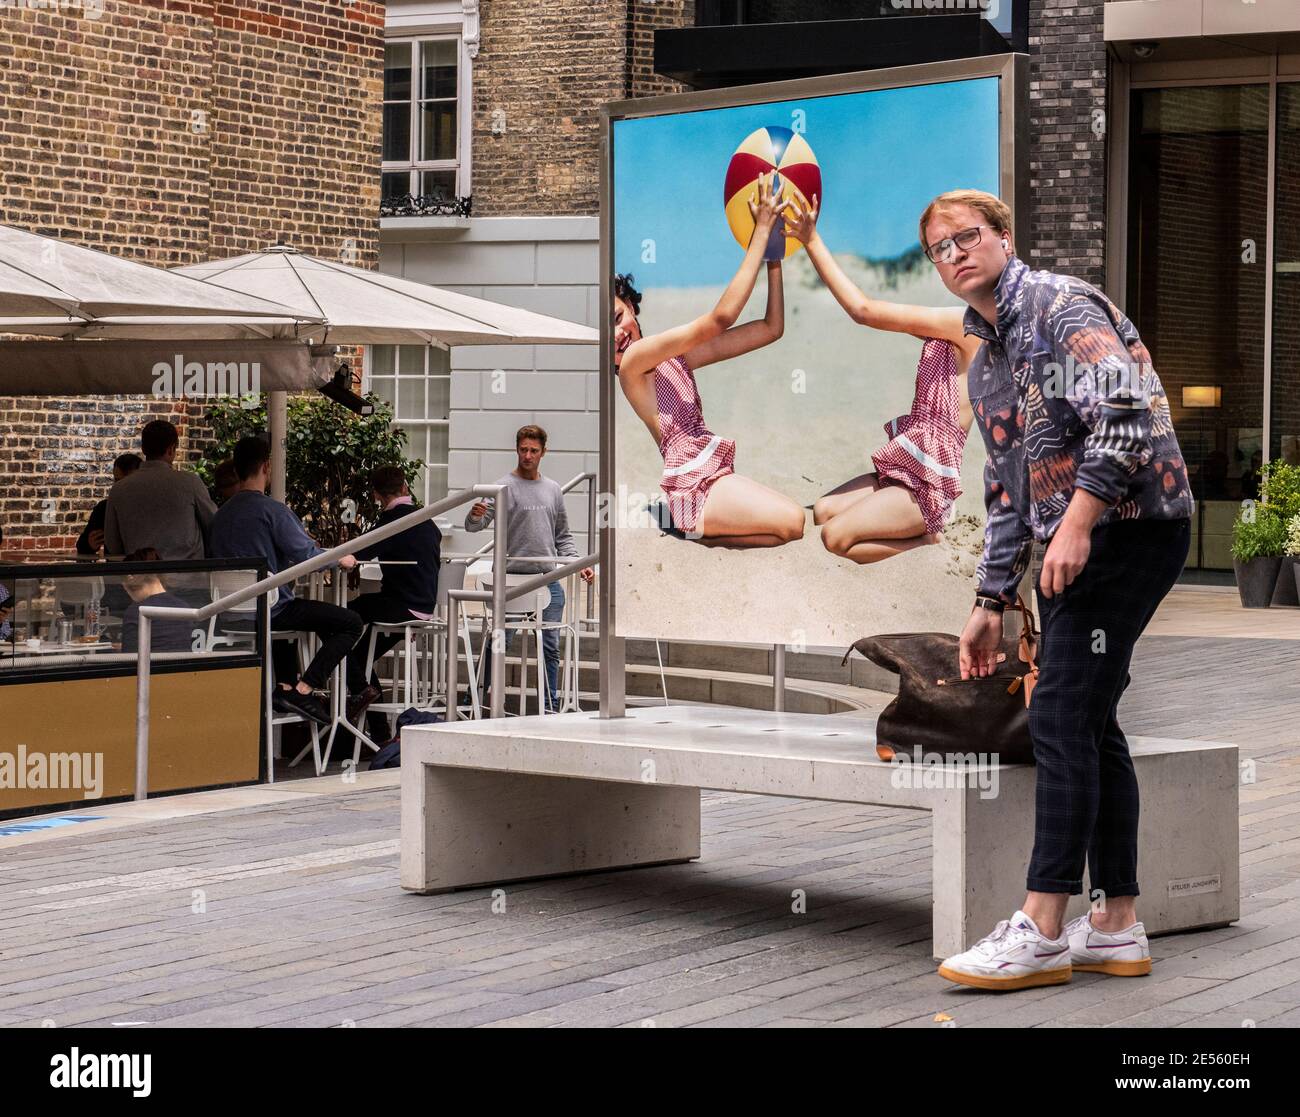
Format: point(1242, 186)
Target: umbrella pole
point(277, 411)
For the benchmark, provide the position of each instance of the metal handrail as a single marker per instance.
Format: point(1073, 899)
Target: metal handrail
point(519, 589)
point(148, 613)
point(568, 486)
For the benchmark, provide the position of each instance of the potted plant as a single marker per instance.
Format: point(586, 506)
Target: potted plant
point(1279, 489)
point(1258, 539)
point(1293, 549)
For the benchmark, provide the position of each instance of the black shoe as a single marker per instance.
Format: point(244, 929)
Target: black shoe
point(308, 705)
point(278, 703)
point(358, 704)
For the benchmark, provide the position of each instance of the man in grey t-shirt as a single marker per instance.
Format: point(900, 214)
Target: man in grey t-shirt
point(158, 506)
point(538, 525)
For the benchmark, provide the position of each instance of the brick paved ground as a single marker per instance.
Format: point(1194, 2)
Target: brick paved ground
point(289, 914)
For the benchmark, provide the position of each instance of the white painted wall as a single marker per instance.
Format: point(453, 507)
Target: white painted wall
point(545, 264)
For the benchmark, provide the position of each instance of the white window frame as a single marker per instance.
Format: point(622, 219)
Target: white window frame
point(402, 421)
point(415, 20)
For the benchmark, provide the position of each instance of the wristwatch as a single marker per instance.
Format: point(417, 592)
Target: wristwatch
point(993, 604)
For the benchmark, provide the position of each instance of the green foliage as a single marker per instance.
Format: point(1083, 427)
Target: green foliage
point(1263, 535)
point(1279, 488)
point(329, 456)
point(1293, 536)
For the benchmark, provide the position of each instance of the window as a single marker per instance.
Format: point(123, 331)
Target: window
point(1198, 231)
point(415, 380)
point(422, 119)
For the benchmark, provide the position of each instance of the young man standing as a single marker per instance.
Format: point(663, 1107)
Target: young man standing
point(538, 526)
point(158, 505)
point(1082, 457)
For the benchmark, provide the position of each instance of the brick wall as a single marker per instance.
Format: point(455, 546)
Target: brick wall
point(644, 18)
point(173, 132)
point(542, 72)
point(1067, 155)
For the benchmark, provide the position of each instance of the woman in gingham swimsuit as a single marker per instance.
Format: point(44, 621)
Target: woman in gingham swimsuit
point(707, 500)
point(908, 498)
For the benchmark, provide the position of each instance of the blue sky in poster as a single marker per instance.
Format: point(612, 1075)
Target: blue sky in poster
point(883, 153)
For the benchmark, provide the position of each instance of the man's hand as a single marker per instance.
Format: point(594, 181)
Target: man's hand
point(96, 539)
point(347, 562)
point(587, 574)
point(1067, 555)
point(981, 640)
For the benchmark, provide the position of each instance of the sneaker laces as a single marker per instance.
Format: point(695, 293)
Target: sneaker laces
point(990, 942)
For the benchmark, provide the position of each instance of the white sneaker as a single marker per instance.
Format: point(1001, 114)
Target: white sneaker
point(1014, 956)
point(1123, 953)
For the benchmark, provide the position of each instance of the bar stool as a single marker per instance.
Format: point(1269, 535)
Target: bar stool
point(242, 634)
point(528, 621)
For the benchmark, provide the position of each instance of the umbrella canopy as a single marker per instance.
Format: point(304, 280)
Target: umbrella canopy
point(363, 307)
point(43, 277)
point(197, 370)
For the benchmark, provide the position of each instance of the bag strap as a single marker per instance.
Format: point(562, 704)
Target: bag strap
point(1028, 632)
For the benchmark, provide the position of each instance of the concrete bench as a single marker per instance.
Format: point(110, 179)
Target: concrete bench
point(488, 802)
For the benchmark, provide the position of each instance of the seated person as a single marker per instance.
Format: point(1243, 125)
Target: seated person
point(91, 538)
point(252, 525)
point(225, 480)
point(409, 590)
point(169, 634)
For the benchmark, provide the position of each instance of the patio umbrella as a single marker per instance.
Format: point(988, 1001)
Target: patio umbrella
point(362, 307)
point(44, 277)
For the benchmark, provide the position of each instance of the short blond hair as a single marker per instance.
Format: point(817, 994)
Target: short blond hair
point(992, 208)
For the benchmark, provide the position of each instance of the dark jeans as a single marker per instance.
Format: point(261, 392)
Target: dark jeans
point(338, 628)
point(1087, 793)
point(372, 607)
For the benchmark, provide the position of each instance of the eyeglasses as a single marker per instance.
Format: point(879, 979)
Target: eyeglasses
point(941, 252)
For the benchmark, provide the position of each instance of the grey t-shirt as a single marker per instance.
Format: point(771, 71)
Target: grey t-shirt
point(538, 524)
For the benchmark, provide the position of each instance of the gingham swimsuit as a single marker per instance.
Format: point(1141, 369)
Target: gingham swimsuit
point(924, 448)
point(694, 457)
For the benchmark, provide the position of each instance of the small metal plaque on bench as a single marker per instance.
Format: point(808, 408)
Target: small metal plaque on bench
point(1190, 886)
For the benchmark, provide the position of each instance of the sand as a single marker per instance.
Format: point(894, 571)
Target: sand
point(805, 412)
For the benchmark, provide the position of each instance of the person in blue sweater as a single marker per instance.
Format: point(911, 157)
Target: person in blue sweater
point(410, 562)
point(253, 525)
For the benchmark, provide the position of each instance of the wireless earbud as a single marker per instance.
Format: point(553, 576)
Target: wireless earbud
point(1005, 244)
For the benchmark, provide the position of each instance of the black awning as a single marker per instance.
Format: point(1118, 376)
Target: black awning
point(710, 57)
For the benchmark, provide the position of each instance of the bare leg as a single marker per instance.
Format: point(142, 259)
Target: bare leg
point(879, 526)
point(739, 512)
point(842, 496)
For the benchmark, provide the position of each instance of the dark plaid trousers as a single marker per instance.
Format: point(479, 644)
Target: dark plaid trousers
point(1086, 804)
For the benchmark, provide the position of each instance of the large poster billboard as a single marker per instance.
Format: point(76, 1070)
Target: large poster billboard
point(746, 410)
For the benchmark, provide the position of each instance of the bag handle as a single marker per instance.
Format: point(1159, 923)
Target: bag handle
point(1028, 643)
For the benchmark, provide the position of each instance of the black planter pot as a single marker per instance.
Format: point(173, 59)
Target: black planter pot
point(1256, 580)
point(1287, 589)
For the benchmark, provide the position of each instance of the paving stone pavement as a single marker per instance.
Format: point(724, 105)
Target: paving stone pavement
point(290, 915)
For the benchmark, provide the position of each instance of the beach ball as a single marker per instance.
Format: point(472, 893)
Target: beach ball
point(770, 149)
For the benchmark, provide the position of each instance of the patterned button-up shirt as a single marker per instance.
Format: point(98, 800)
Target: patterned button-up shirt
point(1065, 397)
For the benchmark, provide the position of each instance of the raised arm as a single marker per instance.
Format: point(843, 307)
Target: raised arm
point(920, 321)
point(647, 352)
point(751, 335)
